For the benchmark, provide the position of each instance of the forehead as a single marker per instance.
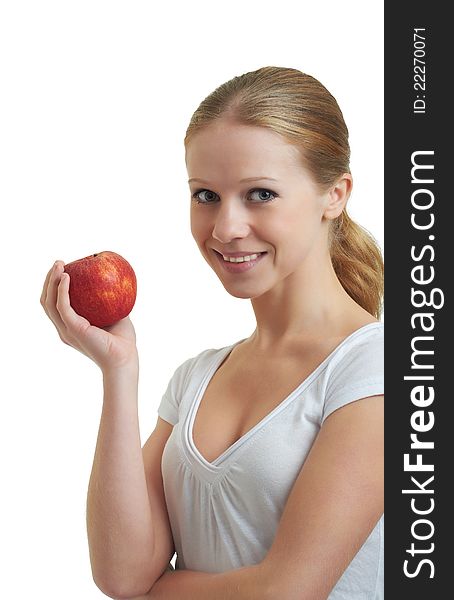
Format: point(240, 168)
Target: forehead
point(225, 147)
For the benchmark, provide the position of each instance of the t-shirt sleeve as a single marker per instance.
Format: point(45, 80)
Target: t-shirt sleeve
point(358, 374)
point(170, 402)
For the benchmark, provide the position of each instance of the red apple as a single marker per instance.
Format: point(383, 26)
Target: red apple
point(102, 287)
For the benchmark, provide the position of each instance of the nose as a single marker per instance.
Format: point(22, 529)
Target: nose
point(231, 221)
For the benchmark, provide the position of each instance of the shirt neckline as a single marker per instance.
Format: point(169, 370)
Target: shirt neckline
point(218, 463)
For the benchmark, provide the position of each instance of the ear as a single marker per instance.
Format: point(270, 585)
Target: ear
point(337, 196)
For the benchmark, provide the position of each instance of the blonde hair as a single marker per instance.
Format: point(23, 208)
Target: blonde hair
point(301, 109)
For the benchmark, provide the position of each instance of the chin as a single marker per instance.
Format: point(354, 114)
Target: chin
point(243, 293)
point(244, 296)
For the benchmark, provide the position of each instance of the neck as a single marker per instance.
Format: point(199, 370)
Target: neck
point(309, 302)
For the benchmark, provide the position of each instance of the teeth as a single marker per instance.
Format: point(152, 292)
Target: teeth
point(237, 259)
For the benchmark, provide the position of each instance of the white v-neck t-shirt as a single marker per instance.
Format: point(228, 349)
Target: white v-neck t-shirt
point(224, 514)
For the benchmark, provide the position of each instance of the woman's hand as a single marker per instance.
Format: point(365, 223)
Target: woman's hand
point(110, 347)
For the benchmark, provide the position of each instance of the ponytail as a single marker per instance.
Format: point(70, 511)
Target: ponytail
point(358, 263)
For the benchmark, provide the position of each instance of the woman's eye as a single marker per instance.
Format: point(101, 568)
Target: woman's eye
point(208, 199)
point(264, 195)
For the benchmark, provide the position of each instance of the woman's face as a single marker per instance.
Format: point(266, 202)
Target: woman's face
point(250, 196)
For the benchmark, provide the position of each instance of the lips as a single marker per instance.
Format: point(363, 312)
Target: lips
point(240, 266)
point(239, 254)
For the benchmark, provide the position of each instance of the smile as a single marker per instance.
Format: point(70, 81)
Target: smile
point(239, 264)
point(237, 259)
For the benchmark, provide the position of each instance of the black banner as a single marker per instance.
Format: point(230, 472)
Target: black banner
point(418, 235)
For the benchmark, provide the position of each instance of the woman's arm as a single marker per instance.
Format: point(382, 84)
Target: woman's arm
point(128, 531)
point(246, 583)
point(335, 503)
point(119, 522)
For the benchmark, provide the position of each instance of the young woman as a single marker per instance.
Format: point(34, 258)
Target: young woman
point(265, 470)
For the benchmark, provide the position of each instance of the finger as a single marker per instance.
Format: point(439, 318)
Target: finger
point(74, 323)
point(46, 285)
point(51, 296)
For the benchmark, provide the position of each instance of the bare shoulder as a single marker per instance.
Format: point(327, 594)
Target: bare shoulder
point(356, 320)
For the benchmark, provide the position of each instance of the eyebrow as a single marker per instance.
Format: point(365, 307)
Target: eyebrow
point(241, 181)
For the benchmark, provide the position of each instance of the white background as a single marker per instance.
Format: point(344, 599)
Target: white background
point(95, 100)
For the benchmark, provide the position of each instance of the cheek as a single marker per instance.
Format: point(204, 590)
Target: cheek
point(294, 233)
point(282, 229)
point(196, 225)
point(200, 229)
